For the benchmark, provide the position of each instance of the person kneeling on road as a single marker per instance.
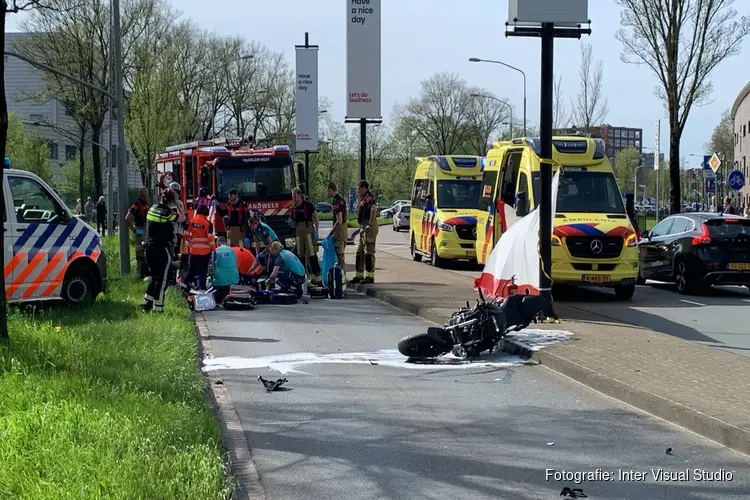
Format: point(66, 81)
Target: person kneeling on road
point(159, 247)
point(288, 271)
point(368, 233)
point(226, 272)
point(247, 265)
point(258, 233)
point(200, 243)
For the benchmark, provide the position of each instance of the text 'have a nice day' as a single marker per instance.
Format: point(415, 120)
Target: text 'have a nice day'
point(360, 10)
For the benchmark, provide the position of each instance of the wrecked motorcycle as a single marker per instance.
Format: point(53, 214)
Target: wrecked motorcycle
point(472, 330)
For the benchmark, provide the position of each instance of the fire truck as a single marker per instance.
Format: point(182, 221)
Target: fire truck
point(264, 178)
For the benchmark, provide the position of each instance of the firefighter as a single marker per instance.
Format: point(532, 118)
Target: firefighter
point(200, 244)
point(136, 221)
point(368, 233)
point(306, 226)
point(235, 214)
point(178, 209)
point(339, 230)
point(159, 250)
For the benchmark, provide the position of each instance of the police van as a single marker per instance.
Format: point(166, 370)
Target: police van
point(48, 253)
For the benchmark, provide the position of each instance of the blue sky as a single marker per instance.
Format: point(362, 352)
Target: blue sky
point(422, 37)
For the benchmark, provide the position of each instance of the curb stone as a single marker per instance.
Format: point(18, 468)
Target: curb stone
point(247, 480)
point(704, 425)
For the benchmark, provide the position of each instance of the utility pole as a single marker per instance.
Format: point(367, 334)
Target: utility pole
point(122, 178)
point(110, 158)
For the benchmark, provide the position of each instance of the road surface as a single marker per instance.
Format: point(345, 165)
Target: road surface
point(719, 318)
point(379, 428)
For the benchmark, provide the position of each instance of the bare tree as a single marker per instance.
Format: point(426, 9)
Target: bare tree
point(589, 108)
point(486, 116)
point(560, 117)
point(682, 41)
point(440, 113)
point(275, 115)
point(9, 7)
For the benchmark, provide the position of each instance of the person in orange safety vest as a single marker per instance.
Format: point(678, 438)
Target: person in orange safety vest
point(200, 243)
point(247, 265)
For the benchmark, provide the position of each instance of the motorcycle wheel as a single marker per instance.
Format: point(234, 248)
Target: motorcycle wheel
point(422, 346)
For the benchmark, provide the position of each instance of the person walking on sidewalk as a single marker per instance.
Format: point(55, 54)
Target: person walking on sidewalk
point(368, 233)
point(136, 220)
point(200, 244)
point(306, 226)
point(159, 248)
point(339, 230)
point(101, 216)
point(235, 213)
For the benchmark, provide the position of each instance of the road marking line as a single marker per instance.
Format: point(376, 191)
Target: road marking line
point(691, 302)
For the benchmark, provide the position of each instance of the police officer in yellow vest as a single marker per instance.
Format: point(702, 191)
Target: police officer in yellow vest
point(367, 217)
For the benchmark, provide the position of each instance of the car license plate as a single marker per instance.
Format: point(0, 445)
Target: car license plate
point(595, 278)
point(739, 266)
point(470, 253)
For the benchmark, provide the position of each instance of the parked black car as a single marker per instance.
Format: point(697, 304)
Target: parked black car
point(323, 207)
point(696, 250)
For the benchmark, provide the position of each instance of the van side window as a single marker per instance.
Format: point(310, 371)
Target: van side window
point(523, 185)
point(418, 194)
point(486, 197)
point(510, 177)
point(430, 202)
point(32, 203)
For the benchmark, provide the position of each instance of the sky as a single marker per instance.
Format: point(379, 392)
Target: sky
point(423, 37)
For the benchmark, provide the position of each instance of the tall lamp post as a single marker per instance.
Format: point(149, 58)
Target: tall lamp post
point(484, 96)
point(476, 59)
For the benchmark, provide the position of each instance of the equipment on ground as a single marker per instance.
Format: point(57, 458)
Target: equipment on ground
point(472, 330)
point(336, 282)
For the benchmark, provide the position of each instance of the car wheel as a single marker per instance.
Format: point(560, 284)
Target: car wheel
point(79, 287)
point(685, 277)
point(624, 292)
point(414, 255)
point(435, 259)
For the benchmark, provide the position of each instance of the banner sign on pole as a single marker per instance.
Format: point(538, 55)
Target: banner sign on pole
point(306, 98)
point(352, 198)
point(657, 146)
point(363, 59)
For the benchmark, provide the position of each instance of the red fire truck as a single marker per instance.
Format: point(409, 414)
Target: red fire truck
point(264, 178)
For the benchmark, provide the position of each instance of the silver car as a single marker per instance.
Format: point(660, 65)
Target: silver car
point(401, 218)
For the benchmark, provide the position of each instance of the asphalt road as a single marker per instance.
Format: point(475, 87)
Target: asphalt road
point(360, 423)
point(719, 318)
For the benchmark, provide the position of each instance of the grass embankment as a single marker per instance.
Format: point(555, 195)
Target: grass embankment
point(107, 402)
point(352, 220)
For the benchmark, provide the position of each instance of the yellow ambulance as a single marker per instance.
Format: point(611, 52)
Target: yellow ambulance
point(445, 196)
point(593, 241)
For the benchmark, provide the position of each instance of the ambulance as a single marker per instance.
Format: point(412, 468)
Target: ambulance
point(49, 254)
point(593, 241)
point(443, 220)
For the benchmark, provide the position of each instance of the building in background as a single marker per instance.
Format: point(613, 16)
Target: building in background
point(617, 138)
point(741, 117)
point(647, 159)
point(23, 83)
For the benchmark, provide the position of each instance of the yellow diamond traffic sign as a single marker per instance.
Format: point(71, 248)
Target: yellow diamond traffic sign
point(714, 162)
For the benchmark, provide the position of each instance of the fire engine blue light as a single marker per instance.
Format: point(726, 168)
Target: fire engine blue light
point(7, 162)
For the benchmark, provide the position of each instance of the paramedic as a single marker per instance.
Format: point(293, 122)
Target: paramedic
point(158, 248)
point(287, 269)
point(200, 244)
point(260, 233)
point(235, 213)
point(226, 273)
point(179, 210)
point(368, 232)
point(339, 231)
point(136, 221)
point(247, 265)
point(306, 226)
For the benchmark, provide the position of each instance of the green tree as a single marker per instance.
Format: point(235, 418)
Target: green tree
point(27, 151)
point(75, 177)
point(722, 138)
point(625, 164)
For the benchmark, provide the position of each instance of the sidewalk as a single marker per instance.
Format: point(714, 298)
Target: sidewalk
point(700, 388)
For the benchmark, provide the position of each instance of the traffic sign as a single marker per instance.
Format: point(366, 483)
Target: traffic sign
point(735, 180)
point(711, 185)
point(714, 162)
point(708, 174)
point(706, 164)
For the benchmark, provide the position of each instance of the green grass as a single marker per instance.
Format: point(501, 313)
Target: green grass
point(107, 401)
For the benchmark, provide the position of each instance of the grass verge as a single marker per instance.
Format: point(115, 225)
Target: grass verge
point(106, 401)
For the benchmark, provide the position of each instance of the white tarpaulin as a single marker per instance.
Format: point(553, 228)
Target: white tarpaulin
point(363, 59)
point(306, 98)
point(515, 258)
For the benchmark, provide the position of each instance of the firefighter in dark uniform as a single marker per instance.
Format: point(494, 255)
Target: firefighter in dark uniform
point(235, 214)
point(136, 220)
point(339, 230)
point(159, 250)
point(306, 226)
point(368, 233)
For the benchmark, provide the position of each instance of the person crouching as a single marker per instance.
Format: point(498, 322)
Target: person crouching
point(200, 243)
point(288, 270)
point(226, 272)
point(247, 265)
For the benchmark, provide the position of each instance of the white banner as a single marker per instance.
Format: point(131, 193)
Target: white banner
point(657, 146)
point(306, 99)
point(363, 59)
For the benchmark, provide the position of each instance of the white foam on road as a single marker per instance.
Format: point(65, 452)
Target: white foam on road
point(289, 363)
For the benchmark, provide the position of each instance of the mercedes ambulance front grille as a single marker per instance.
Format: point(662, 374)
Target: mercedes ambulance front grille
point(594, 247)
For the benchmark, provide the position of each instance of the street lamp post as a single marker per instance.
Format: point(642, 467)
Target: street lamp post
point(483, 96)
point(635, 182)
point(476, 59)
